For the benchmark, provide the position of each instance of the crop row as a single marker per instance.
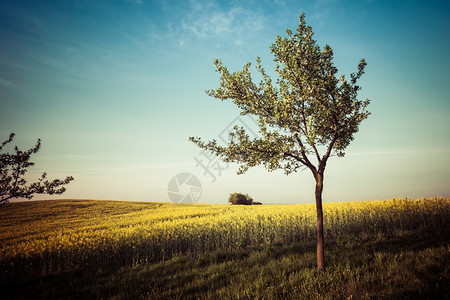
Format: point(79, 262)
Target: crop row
point(92, 234)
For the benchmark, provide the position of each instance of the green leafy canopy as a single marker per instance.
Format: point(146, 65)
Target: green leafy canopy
point(307, 111)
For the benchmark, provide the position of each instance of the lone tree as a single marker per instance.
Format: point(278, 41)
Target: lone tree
point(13, 167)
point(309, 115)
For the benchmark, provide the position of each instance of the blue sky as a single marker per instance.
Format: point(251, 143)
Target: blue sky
point(115, 88)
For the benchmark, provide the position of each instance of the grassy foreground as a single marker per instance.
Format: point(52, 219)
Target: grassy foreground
point(395, 249)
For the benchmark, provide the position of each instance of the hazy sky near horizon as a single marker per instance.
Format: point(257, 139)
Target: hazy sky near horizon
point(115, 88)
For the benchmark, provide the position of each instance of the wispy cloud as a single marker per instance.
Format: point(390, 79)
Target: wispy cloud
point(207, 20)
point(325, 2)
point(6, 83)
point(135, 1)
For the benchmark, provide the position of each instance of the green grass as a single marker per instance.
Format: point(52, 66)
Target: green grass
point(414, 265)
point(408, 264)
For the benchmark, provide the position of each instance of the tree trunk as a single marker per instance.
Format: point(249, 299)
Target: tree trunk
point(320, 237)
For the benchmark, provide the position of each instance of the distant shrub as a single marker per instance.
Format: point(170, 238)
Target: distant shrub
point(240, 199)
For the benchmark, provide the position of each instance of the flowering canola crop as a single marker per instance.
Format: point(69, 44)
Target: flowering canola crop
point(56, 236)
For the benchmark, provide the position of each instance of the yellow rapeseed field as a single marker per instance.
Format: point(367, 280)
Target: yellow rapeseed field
point(46, 237)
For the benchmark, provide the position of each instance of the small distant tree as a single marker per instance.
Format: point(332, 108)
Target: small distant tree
point(309, 115)
point(240, 199)
point(13, 167)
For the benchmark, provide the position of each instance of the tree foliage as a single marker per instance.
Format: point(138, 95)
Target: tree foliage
point(240, 199)
point(13, 167)
point(307, 115)
point(308, 107)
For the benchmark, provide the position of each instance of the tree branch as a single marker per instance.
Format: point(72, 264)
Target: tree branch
point(328, 153)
